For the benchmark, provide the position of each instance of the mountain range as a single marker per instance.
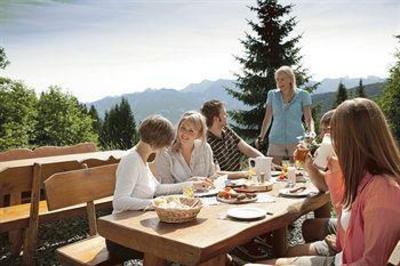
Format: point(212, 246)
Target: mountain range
point(172, 103)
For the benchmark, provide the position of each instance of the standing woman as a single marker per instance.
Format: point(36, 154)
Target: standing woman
point(286, 105)
point(190, 156)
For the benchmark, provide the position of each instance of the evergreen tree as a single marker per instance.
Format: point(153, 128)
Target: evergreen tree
point(61, 120)
point(341, 94)
point(361, 90)
point(97, 122)
point(390, 99)
point(119, 128)
point(17, 114)
point(3, 59)
point(265, 51)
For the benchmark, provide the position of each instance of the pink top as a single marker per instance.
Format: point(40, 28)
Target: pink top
point(374, 227)
point(334, 181)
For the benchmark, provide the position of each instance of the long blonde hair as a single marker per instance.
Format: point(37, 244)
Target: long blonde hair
point(199, 123)
point(363, 143)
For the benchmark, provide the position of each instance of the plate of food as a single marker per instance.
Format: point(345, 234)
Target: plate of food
point(298, 191)
point(246, 213)
point(229, 195)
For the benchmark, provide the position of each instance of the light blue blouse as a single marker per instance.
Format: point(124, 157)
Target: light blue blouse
point(287, 118)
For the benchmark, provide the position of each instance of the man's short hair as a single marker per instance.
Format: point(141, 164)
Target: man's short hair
point(157, 131)
point(210, 109)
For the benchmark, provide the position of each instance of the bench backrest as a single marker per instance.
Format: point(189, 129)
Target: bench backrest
point(81, 186)
point(14, 183)
point(19, 154)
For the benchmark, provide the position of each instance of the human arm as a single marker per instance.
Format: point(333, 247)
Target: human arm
point(308, 118)
point(317, 177)
point(248, 150)
point(265, 125)
point(381, 219)
point(163, 168)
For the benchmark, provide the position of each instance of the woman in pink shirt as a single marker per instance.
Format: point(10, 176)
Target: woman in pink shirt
point(369, 223)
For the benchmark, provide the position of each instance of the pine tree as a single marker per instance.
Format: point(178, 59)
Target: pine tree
point(265, 51)
point(119, 127)
point(390, 99)
point(97, 122)
point(341, 94)
point(361, 90)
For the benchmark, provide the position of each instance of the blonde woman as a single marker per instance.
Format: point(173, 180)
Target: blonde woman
point(189, 157)
point(369, 223)
point(286, 105)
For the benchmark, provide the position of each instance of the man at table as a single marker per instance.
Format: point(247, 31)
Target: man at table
point(226, 145)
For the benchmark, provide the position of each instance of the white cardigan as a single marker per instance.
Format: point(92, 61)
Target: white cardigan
point(136, 186)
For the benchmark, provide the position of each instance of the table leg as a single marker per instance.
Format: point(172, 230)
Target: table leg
point(151, 260)
point(216, 261)
point(324, 211)
point(280, 242)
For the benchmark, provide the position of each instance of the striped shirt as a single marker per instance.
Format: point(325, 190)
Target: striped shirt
point(225, 149)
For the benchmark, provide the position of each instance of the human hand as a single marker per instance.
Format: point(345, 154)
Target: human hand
point(203, 185)
point(258, 142)
point(331, 241)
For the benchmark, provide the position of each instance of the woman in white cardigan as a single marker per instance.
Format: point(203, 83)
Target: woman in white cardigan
point(135, 184)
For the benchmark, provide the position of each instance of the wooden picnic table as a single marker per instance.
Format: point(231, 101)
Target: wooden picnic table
point(206, 240)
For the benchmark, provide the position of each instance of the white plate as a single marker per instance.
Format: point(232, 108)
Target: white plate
point(208, 193)
point(246, 213)
point(219, 184)
point(303, 193)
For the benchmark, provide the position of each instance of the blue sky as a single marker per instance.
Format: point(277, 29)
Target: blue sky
point(101, 48)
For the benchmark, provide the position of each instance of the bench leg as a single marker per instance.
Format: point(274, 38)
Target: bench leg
point(280, 242)
point(31, 233)
point(324, 211)
point(16, 239)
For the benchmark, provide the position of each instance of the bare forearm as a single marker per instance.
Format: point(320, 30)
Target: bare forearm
point(317, 177)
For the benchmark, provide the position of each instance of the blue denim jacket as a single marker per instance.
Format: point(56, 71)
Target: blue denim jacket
point(287, 118)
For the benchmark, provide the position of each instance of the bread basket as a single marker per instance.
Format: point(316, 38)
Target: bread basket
point(177, 209)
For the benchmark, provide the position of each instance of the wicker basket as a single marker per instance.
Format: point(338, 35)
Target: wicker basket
point(176, 216)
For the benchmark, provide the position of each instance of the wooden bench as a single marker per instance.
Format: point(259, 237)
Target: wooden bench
point(84, 186)
point(19, 214)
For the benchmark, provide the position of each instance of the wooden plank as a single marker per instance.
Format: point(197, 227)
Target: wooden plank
point(90, 251)
point(44, 151)
point(17, 217)
point(83, 186)
point(91, 214)
point(32, 231)
point(151, 260)
point(16, 154)
point(104, 155)
point(61, 150)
